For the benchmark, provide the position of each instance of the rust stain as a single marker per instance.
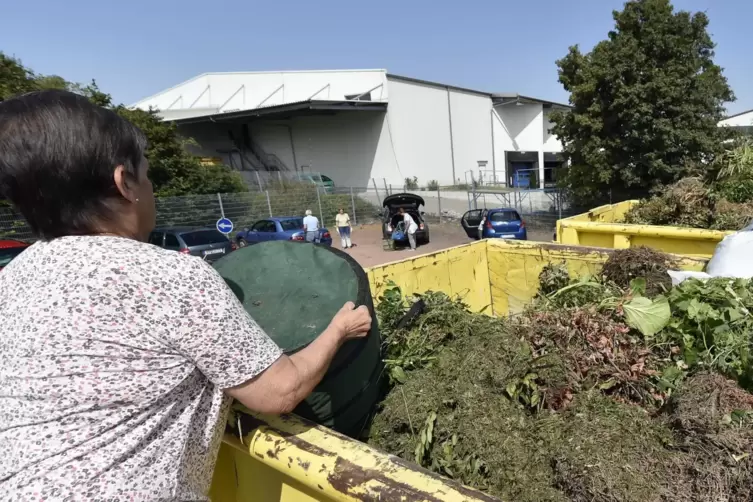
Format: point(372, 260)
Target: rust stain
point(468, 492)
point(305, 445)
point(303, 465)
point(348, 476)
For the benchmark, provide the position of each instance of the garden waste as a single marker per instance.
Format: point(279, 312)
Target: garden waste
point(617, 387)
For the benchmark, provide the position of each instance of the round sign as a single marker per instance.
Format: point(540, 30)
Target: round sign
point(224, 225)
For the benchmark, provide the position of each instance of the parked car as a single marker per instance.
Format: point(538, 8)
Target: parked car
point(319, 180)
point(9, 249)
point(411, 203)
point(207, 243)
point(283, 228)
point(502, 223)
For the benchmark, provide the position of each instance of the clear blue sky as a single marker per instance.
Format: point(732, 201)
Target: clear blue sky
point(135, 48)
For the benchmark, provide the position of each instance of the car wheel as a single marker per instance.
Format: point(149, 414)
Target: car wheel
point(242, 243)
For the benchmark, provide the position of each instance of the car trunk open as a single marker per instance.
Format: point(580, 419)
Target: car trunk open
point(405, 200)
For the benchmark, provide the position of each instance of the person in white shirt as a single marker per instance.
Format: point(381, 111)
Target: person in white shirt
point(342, 221)
point(311, 226)
point(410, 227)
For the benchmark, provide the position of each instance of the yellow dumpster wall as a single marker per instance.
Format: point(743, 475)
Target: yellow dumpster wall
point(601, 227)
point(461, 270)
point(285, 459)
point(514, 268)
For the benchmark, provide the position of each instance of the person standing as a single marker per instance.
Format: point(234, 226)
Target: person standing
point(410, 227)
point(311, 226)
point(342, 221)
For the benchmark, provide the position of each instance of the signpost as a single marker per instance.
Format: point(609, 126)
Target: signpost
point(224, 225)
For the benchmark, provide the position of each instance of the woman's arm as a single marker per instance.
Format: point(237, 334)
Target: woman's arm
point(233, 352)
point(290, 379)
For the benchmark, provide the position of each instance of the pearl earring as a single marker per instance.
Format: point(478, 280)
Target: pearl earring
point(137, 200)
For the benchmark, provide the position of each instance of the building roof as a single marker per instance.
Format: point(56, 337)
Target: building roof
point(311, 107)
point(738, 114)
point(500, 97)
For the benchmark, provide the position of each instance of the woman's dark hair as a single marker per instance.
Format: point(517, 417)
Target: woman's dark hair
point(58, 153)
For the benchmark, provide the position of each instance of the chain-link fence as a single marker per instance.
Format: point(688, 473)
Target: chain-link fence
point(540, 210)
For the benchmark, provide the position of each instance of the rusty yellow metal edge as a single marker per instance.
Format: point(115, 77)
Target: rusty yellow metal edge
point(343, 469)
point(648, 230)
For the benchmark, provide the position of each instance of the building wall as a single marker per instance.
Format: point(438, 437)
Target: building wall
point(744, 119)
point(551, 143)
point(343, 146)
point(524, 126)
point(430, 131)
point(420, 132)
point(471, 132)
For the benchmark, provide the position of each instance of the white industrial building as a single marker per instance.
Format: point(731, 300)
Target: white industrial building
point(742, 121)
point(356, 126)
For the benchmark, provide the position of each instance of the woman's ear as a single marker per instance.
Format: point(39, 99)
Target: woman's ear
point(125, 184)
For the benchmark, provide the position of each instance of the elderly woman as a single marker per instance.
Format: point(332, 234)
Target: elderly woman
point(342, 222)
point(118, 359)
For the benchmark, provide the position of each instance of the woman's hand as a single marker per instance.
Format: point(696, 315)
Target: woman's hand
point(351, 322)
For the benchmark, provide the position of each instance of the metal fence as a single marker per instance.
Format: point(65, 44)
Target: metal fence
point(363, 204)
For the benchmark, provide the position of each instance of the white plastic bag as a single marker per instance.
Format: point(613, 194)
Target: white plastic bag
point(733, 257)
point(680, 275)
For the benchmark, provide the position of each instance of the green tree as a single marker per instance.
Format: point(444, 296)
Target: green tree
point(646, 103)
point(15, 78)
point(173, 170)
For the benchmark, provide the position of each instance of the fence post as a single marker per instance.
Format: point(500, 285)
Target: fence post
point(384, 180)
point(222, 209)
point(439, 203)
point(353, 203)
point(379, 200)
point(269, 204)
point(258, 180)
point(319, 200)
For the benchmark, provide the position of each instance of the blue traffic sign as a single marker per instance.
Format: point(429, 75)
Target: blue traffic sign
point(224, 225)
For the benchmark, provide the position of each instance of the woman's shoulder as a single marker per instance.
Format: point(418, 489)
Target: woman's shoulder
point(128, 255)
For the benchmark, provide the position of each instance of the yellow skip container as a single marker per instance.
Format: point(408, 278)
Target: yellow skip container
point(286, 459)
point(601, 227)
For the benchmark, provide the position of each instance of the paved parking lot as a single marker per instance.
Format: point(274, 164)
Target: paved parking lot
point(367, 241)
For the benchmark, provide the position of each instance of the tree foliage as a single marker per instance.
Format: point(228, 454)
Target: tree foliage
point(172, 169)
point(646, 103)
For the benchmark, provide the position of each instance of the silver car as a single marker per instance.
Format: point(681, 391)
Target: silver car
point(206, 243)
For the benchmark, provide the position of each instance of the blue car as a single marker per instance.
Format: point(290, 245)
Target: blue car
point(284, 228)
point(502, 223)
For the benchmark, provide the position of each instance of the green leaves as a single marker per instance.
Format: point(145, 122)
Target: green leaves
point(712, 326)
point(646, 103)
point(425, 438)
point(172, 169)
point(647, 316)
